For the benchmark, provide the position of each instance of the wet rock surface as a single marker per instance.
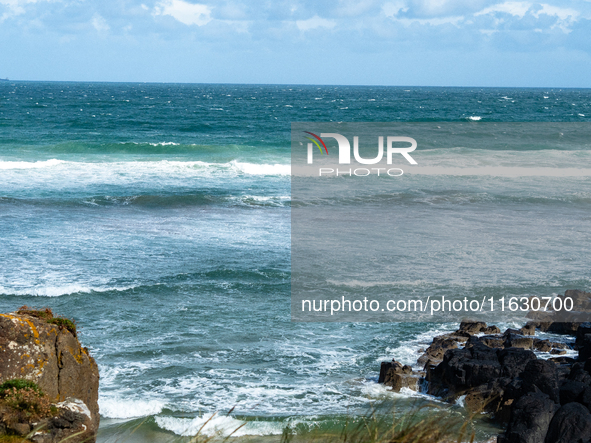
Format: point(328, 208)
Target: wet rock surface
point(399, 376)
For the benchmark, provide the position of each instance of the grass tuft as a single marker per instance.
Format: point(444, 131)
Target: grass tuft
point(64, 323)
point(420, 425)
point(44, 314)
point(21, 401)
point(18, 384)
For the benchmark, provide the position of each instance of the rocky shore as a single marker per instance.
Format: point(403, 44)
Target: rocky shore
point(539, 398)
point(48, 381)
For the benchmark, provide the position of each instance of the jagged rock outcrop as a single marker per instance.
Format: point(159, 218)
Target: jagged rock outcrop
point(542, 400)
point(399, 376)
point(50, 355)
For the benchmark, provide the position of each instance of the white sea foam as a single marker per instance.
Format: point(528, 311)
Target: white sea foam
point(58, 290)
point(266, 198)
point(214, 424)
point(475, 118)
point(261, 169)
point(7, 165)
point(376, 391)
point(407, 353)
point(126, 408)
point(139, 169)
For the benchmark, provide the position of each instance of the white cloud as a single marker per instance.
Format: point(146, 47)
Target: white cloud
point(439, 8)
point(354, 8)
point(434, 7)
point(432, 21)
point(15, 7)
point(392, 9)
point(315, 22)
point(517, 9)
point(565, 14)
point(185, 12)
point(99, 23)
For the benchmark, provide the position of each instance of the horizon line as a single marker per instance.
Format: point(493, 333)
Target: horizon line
point(7, 80)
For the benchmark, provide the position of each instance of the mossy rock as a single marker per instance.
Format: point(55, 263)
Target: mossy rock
point(47, 315)
point(65, 323)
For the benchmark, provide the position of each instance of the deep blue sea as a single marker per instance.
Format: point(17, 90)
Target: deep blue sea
point(158, 217)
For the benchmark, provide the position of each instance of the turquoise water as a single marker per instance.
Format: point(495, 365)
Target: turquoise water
point(158, 217)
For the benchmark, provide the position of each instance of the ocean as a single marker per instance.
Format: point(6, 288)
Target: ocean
point(158, 217)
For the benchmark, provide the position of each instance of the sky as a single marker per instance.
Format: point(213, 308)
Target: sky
point(341, 42)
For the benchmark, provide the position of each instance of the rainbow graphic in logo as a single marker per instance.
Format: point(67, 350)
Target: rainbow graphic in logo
point(316, 143)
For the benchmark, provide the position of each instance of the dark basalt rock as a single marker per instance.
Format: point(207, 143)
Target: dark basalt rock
point(570, 424)
point(540, 400)
point(579, 373)
point(528, 329)
point(459, 336)
point(398, 376)
point(491, 330)
point(565, 328)
point(476, 365)
point(472, 327)
point(518, 341)
point(585, 348)
point(486, 398)
point(492, 341)
point(541, 374)
point(542, 345)
point(575, 391)
point(73, 417)
point(385, 368)
point(582, 330)
point(562, 360)
point(434, 353)
point(530, 419)
point(514, 361)
point(466, 368)
point(571, 391)
point(541, 326)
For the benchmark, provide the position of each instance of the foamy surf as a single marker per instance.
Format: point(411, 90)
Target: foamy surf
point(218, 425)
point(103, 171)
point(57, 291)
point(7, 165)
point(127, 409)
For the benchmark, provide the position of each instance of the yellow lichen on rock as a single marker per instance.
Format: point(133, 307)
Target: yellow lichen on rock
point(50, 355)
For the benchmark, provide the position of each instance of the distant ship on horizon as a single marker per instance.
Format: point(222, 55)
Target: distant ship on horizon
point(4, 79)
